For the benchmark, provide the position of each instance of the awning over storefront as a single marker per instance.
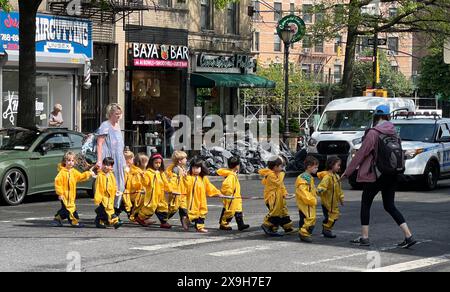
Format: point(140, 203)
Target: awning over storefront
point(51, 60)
point(210, 80)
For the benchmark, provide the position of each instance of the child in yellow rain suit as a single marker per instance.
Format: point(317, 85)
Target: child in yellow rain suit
point(133, 184)
point(137, 198)
point(232, 187)
point(66, 189)
point(275, 199)
point(156, 186)
point(306, 195)
point(331, 194)
point(105, 194)
point(198, 188)
point(176, 174)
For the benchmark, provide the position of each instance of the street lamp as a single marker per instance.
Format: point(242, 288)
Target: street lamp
point(287, 34)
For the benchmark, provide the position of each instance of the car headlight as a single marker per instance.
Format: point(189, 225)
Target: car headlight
point(312, 142)
point(412, 153)
point(357, 141)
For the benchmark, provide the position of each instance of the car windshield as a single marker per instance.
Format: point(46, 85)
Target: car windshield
point(357, 120)
point(17, 139)
point(416, 132)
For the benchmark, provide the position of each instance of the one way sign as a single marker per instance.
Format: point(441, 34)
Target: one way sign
point(381, 42)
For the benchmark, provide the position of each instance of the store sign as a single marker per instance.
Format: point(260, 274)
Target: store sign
point(242, 62)
point(54, 34)
point(10, 107)
point(153, 55)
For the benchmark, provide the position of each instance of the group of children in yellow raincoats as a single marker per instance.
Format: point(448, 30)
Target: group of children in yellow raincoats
point(150, 190)
point(275, 195)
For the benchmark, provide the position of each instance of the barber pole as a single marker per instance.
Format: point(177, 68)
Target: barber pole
point(87, 75)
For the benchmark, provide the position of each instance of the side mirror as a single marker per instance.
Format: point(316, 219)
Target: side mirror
point(45, 148)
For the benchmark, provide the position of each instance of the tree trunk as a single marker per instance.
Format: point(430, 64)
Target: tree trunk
point(26, 112)
point(350, 49)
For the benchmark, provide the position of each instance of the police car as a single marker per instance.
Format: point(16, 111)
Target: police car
point(426, 144)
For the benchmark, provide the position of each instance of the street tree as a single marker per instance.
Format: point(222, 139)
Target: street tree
point(356, 18)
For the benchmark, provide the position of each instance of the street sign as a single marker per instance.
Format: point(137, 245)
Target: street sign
point(365, 59)
point(295, 23)
point(447, 52)
point(381, 42)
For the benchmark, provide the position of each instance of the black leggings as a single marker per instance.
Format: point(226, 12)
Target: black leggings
point(387, 186)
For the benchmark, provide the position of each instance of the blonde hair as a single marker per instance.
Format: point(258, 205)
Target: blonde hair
point(141, 161)
point(66, 157)
point(128, 155)
point(112, 108)
point(178, 156)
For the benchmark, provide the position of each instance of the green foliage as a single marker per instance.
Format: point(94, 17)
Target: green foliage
point(221, 4)
point(302, 90)
point(5, 5)
point(435, 76)
point(395, 82)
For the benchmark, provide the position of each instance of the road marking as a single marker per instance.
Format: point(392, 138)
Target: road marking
point(414, 265)
point(179, 244)
point(337, 258)
point(250, 249)
point(5, 221)
point(195, 241)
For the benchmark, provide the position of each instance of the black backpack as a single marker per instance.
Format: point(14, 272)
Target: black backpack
point(390, 157)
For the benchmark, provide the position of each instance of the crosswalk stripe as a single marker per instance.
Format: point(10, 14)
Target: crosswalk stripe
point(414, 265)
point(179, 244)
point(250, 249)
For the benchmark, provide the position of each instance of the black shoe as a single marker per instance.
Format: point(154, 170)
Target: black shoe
point(118, 225)
point(328, 234)
point(225, 228)
point(407, 243)
point(243, 227)
point(269, 231)
point(99, 225)
point(361, 241)
point(306, 239)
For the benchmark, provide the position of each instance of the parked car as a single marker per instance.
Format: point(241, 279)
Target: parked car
point(29, 161)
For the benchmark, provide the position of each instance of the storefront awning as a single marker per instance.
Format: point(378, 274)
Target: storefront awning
point(210, 80)
point(51, 60)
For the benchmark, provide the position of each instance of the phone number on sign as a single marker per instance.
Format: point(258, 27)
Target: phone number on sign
point(8, 37)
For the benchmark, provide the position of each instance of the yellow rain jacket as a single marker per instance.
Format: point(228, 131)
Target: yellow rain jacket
point(66, 187)
point(331, 194)
point(105, 192)
point(133, 188)
point(275, 193)
point(230, 187)
point(198, 189)
point(306, 195)
point(177, 182)
point(156, 185)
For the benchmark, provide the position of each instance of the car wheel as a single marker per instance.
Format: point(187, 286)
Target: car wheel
point(14, 187)
point(431, 176)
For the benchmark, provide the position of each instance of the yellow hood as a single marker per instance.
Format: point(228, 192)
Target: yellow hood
point(321, 175)
point(224, 172)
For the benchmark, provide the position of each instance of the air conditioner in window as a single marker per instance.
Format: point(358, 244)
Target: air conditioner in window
point(306, 50)
point(391, 53)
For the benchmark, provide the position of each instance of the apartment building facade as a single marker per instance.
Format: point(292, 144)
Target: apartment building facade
point(323, 60)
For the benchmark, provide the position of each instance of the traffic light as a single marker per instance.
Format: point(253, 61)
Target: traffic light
point(339, 51)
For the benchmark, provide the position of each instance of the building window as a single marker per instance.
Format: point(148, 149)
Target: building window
point(318, 47)
point(306, 69)
point(319, 13)
point(257, 8)
point(232, 19)
point(306, 42)
point(277, 43)
point(292, 8)
point(337, 73)
point(278, 11)
point(339, 13)
point(337, 43)
point(363, 45)
point(206, 15)
point(393, 12)
point(394, 68)
point(393, 45)
point(165, 3)
point(256, 41)
point(307, 13)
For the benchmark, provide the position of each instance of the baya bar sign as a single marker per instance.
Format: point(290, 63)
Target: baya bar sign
point(153, 55)
point(54, 34)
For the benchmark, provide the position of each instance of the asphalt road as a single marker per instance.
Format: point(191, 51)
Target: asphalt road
point(29, 243)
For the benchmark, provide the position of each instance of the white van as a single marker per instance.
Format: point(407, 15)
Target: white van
point(344, 123)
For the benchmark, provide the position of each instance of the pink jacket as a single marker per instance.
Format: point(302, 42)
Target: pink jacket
point(366, 155)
